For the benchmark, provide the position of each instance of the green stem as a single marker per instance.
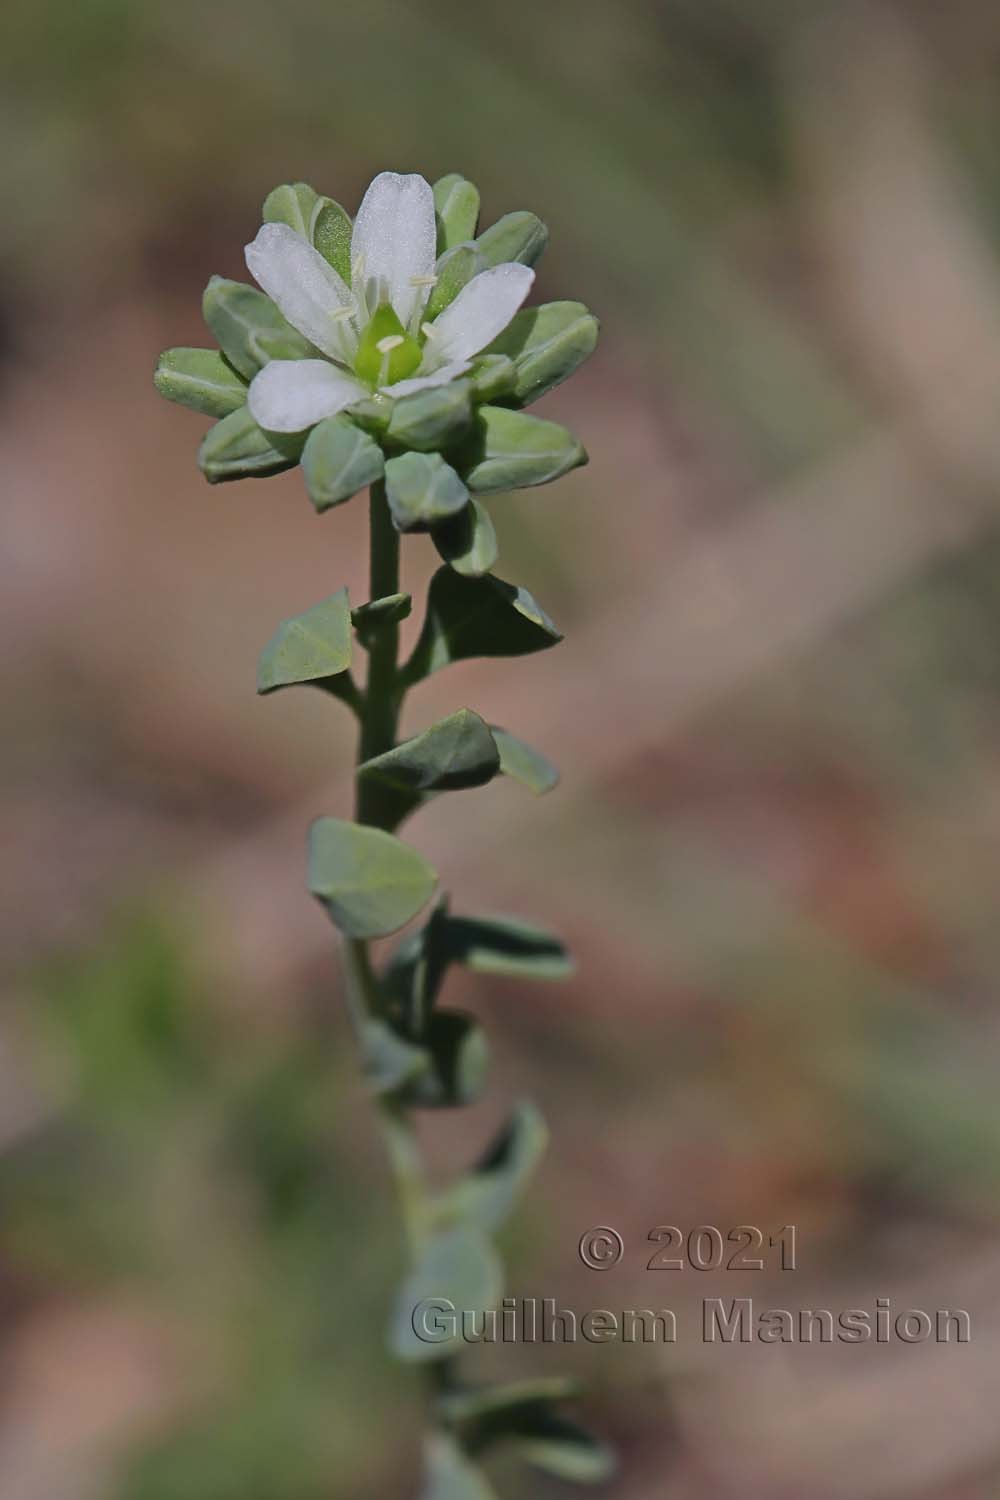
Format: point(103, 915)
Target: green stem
point(378, 713)
point(379, 718)
point(397, 1132)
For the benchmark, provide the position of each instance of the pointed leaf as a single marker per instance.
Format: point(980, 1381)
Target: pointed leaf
point(454, 271)
point(547, 344)
point(519, 236)
point(458, 1266)
point(422, 489)
point(488, 1194)
point(550, 1443)
point(456, 207)
point(370, 882)
point(311, 647)
point(431, 419)
point(459, 1054)
point(250, 329)
point(508, 946)
point(449, 1474)
point(477, 617)
point(510, 450)
point(455, 752)
point(201, 379)
point(293, 203)
point(523, 764)
point(468, 541)
point(331, 234)
point(338, 460)
point(236, 448)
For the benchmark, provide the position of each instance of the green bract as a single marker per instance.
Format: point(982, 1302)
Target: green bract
point(423, 490)
point(393, 352)
point(236, 448)
point(338, 460)
point(511, 450)
point(202, 379)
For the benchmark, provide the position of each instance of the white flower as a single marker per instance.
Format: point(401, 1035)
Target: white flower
point(373, 332)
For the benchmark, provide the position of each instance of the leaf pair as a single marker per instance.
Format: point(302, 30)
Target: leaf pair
point(458, 752)
point(498, 945)
point(546, 1442)
point(436, 1058)
point(465, 617)
point(445, 1070)
point(453, 1043)
point(371, 884)
point(526, 1415)
point(318, 219)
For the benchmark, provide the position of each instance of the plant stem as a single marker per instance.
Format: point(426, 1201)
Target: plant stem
point(397, 1132)
point(379, 720)
point(380, 715)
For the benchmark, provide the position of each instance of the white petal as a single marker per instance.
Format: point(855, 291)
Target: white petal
point(306, 289)
point(289, 395)
point(423, 382)
point(482, 309)
point(395, 238)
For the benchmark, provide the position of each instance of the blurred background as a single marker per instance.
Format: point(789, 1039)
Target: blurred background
point(776, 847)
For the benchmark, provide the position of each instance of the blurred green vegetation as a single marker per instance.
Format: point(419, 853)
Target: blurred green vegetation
point(209, 1168)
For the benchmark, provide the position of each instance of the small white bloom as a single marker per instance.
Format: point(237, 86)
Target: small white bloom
point(374, 333)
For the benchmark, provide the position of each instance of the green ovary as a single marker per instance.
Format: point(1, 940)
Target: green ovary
point(386, 366)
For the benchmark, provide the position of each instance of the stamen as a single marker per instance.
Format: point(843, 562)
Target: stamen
point(342, 314)
point(358, 268)
point(428, 330)
point(390, 342)
point(423, 281)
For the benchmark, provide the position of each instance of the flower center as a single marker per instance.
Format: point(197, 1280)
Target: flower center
point(386, 352)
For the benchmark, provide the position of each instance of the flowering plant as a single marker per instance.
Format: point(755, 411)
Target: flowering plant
point(395, 353)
